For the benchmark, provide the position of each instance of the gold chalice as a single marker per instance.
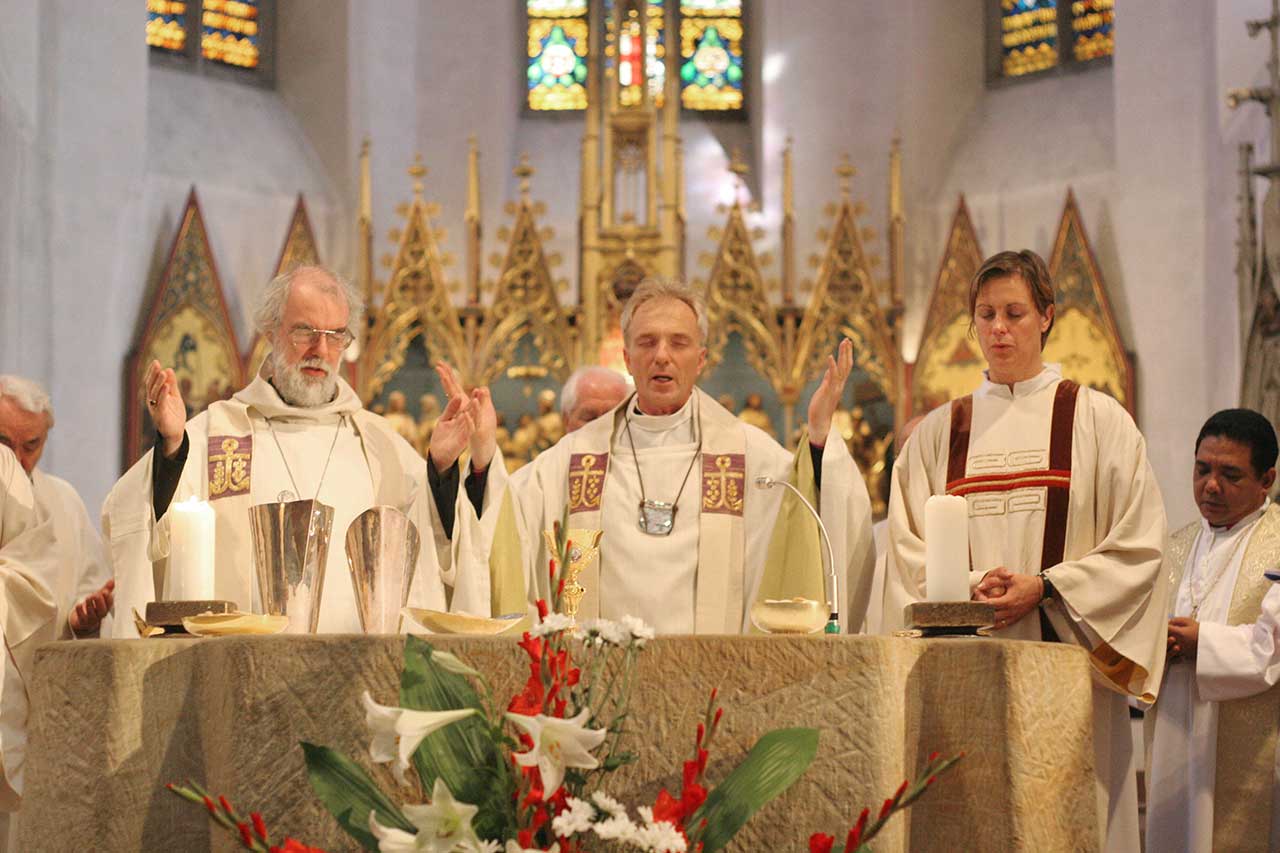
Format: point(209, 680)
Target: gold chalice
point(584, 545)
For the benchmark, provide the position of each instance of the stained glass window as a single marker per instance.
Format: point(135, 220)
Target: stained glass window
point(711, 54)
point(637, 67)
point(1092, 26)
point(1029, 36)
point(167, 25)
point(230, 32)
point(557, 54)
point(1033, 36)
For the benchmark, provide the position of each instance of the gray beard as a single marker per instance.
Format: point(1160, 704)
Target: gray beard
point(299, 390)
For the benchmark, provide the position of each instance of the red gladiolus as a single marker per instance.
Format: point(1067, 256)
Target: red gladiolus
point(208, 804)
point(933, 756)
point(719, 714)
point(902, 789)
point(668, 808)
point(259, 825)
point(543, 610)
point(245, 835)
point(855, 834)
point(702, 731)
point(930, 780)
point(885, 809)
point(226, 807)
point(820, 842)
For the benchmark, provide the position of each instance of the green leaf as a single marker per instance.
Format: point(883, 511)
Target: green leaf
point(463, 754)
point(349, 794)
point(776, 761)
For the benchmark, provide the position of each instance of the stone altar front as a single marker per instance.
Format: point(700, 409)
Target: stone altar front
point(113, 721)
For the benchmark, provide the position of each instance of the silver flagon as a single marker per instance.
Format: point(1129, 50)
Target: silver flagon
point(290, 547)
point(382, 553)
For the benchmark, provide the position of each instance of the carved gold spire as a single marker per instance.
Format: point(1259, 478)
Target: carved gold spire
point(417, 171)
point(471, 220)
point(788, 226)
point(524, 172)
point(845, 172)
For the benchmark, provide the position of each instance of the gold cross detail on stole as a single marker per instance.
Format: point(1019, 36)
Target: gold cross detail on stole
point(228, 469)
point(722, 478)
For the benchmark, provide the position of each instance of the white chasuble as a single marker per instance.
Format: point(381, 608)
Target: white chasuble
point(79, 565)
point(251, 449)
point(1214, 765)
point(1111, 596)
point(730, 543)
point(27, 614)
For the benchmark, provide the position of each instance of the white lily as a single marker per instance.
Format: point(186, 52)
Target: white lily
point(451, 663)
point(557, 744)
point(444, 826)
point(398, 731)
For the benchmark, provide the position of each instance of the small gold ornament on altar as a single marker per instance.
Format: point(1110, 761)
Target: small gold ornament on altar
point(584, 545)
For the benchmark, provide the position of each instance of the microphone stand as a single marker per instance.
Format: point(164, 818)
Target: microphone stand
point(833, 583)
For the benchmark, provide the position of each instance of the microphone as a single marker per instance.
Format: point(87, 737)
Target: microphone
point(833, 582)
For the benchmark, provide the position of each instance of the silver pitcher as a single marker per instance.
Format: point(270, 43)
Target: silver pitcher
point(382, 553)
point(290, 547)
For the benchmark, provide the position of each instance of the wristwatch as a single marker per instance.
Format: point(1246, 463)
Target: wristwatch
point(1049, 592)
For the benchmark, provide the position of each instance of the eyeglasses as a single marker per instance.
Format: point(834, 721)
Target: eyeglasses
point(305, 337)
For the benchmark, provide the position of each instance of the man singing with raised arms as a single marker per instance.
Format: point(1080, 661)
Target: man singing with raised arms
point(297, 431)
point(689, 541)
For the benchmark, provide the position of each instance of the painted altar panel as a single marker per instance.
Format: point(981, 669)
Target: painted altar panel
point(1085, 339)
point(187, 327)
point(299, 249)
point(949, 363)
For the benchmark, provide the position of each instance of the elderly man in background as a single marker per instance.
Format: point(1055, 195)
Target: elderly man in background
point(588, 393)
point(298, 431)
point(27, 619)
point(668, 476)
point(79, 576)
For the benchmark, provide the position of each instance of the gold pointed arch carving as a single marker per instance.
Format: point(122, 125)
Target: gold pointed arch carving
point(737, 301)
point(415, 302)
point(949, 363)
point(1085, 338)
point(188, 328)
point(844, 303)
point(299, 250)
point(525, 302)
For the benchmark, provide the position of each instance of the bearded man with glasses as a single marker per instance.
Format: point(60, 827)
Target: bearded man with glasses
point(298, 431)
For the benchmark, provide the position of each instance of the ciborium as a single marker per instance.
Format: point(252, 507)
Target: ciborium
point(382, 553)
point(584, 545)
point(290, 547)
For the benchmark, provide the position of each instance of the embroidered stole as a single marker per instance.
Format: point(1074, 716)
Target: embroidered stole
point(227, 483)
point(1247, 728)
point(720, 593)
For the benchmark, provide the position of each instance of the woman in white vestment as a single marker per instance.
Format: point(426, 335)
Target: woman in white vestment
point(1066, 523)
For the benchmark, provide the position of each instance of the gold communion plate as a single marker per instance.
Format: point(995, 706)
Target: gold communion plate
point(789, 615)
point(439, 622)
point(229, 624)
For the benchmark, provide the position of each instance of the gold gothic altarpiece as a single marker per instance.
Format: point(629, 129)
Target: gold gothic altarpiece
point(769, 335)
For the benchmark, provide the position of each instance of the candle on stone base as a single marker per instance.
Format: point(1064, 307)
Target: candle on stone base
point(946, 548)
point(190, 551)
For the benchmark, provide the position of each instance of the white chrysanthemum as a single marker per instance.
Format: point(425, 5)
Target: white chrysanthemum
point(640, 632)
point(604, 631)
point(514, 847)
point(659, 837)
point(553, 624)
point(608, 804)
point(483, 847)
point(616, 828)
point(576, 818)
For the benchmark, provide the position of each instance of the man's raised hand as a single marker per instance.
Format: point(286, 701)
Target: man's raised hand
point(825, 401)
point(164, 404)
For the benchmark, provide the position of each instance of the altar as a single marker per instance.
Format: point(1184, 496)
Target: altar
point(113, 721)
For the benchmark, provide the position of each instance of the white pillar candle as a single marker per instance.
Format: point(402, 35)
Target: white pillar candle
point(190, 551)
point(946, 548)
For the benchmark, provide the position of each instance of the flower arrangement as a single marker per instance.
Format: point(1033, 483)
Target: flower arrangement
point(528, 774)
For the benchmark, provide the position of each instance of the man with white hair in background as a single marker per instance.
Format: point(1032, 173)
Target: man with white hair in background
point(27, 614)
point(79, 576)
point(590, 392)
point(298, 431)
